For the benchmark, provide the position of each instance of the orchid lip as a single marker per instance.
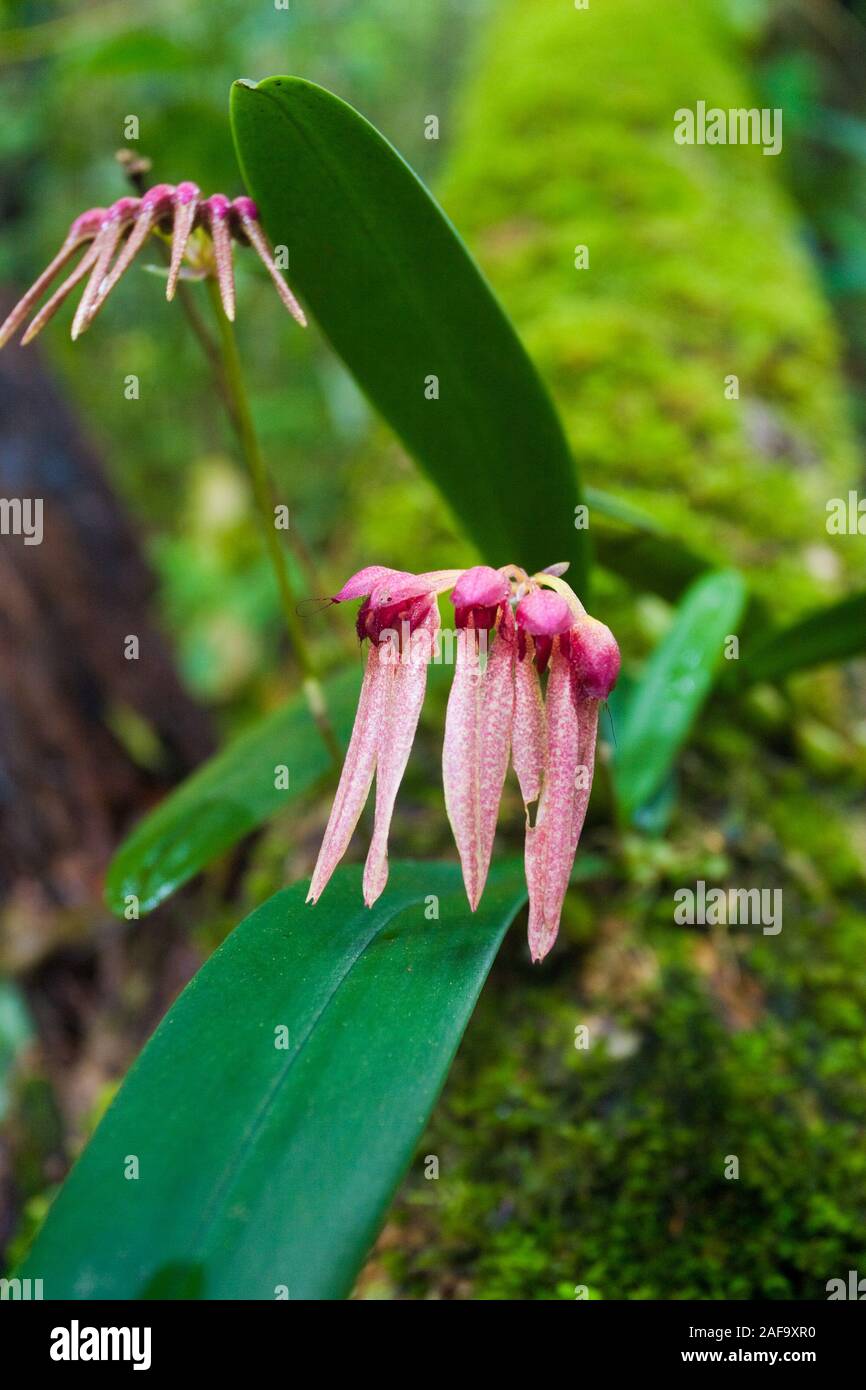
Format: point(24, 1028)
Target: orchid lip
point(481, 587)
point(477, 597)
point(543, 614)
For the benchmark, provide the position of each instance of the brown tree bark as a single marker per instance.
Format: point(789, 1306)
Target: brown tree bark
point(68, 786)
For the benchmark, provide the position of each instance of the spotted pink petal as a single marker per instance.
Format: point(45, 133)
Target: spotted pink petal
point(248, 214)
point(529, 731)
point(50, 307)
point(82, 230)
point(476, 747)
point(551, 844)
point(406, 682)
point(217, 209)
point(118, 216)
point(155, 204)
point(186, 206)
point(357, 775)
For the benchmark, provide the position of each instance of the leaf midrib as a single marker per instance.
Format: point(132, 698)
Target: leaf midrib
point(408, 279)
point(233, 1172)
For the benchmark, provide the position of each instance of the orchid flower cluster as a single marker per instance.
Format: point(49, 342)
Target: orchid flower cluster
point(511, 627)
point(201, 231)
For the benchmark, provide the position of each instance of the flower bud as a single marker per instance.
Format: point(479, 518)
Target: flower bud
point(477, 596)
point(594, 655)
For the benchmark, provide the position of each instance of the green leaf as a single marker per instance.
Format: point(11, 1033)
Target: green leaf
point(230, 795)
point(262, 1167)
point(607, 504)
point(665, 702)
point(401, 300)
point(650, 561)
point(834, 633)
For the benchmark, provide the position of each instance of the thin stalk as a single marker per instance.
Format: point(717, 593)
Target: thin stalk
point(232, 375)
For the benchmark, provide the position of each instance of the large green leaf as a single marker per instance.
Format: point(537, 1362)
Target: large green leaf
point(834, 633)
point(233, 793)
point(665, 702)
point(401, 300)
point(261, 1167)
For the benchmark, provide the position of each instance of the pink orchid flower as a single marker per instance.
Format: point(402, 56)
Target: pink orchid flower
point(400, 618)
point(201, 230)
point(510, 628)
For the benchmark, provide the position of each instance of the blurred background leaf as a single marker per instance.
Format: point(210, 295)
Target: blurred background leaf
point(677, 678)
point(230, 795)
point(834, 633)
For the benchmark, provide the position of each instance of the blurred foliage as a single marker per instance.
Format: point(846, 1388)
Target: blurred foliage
point(16, 1032)
point(812, 64)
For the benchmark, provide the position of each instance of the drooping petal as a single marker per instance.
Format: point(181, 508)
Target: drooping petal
point(357, 774)
point(103, 249)
point(156, 202)
point(540, 939)
point(249, 220)
point(476, 747)
point(585, 666)
point(104, 244)
point(529, 730)
point(186, 204)
point(217, 209)
point(406, 682)
point(83, 229)
point(551, 843)
point(50, 307)
point(587, 715)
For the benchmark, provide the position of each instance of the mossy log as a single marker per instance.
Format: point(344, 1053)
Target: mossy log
point(698, 271)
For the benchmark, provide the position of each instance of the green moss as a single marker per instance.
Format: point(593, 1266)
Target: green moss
point(607, 1167)
point(698, 270)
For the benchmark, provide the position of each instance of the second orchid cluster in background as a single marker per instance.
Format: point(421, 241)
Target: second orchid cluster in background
point(511, 628)
point(109, 239)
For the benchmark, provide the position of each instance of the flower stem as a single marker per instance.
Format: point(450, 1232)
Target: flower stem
point(242, 419)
